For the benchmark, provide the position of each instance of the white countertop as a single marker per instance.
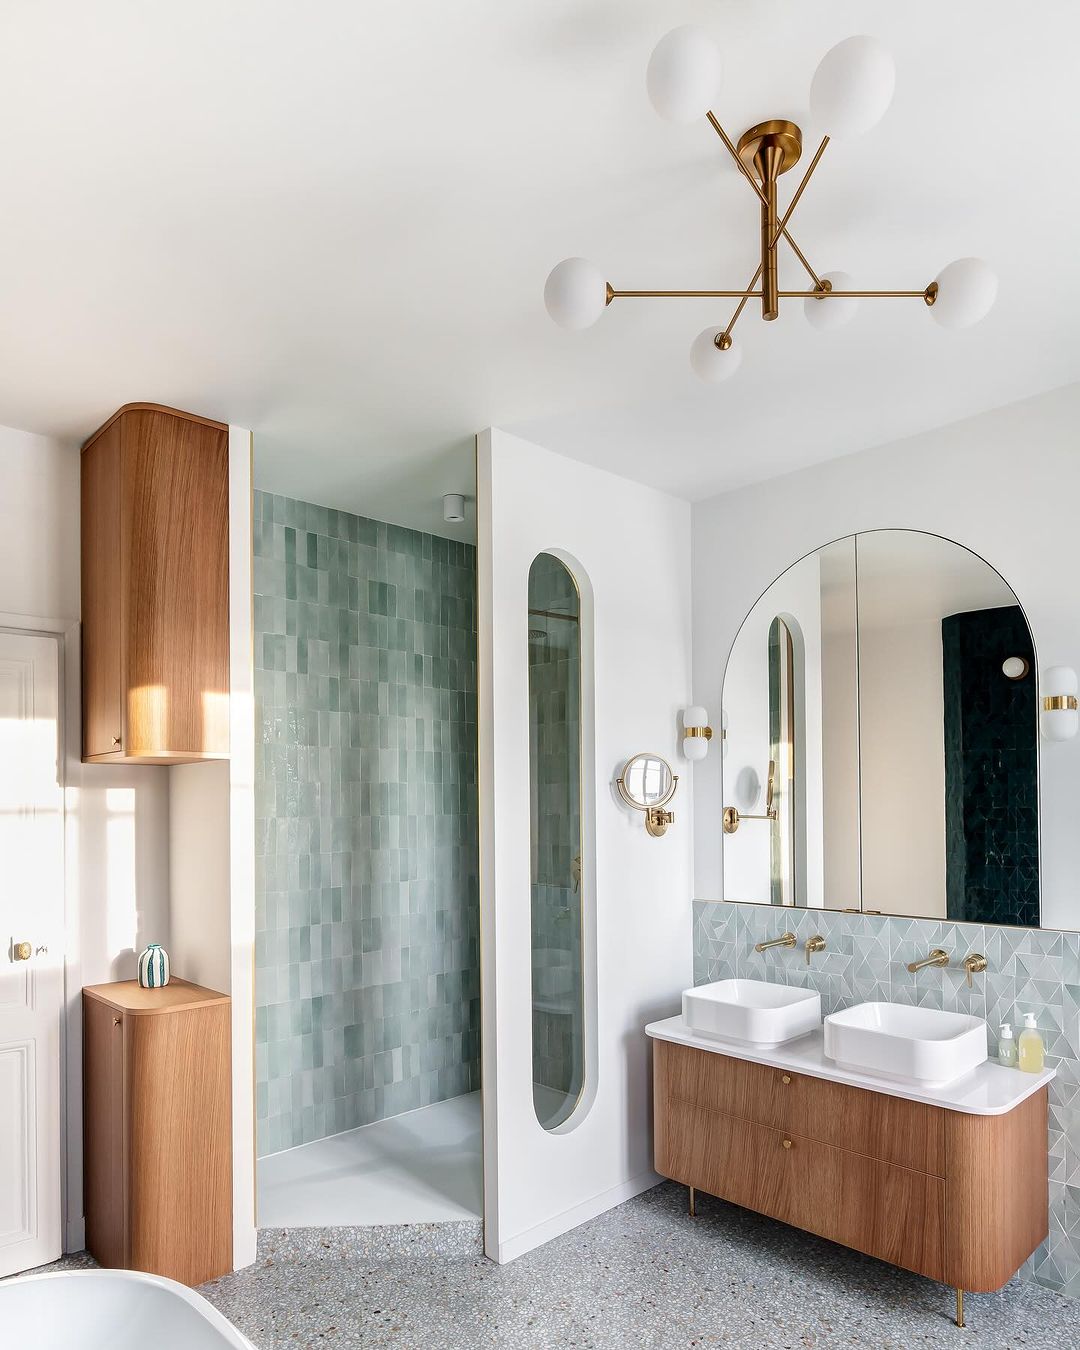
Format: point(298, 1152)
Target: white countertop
point(989, 1090)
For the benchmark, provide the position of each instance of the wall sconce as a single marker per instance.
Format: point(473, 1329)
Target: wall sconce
point(1058, 715)
point(696, 732)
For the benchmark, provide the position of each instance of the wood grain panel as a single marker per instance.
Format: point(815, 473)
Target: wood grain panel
point(891, 1129)
point(730, 1158)
point(102, 610)
point(722, 1082)
point(996, 1184)
point(128, 996)
point(893, 1213)
point(181, 1144)
point(104, 1167)
point(175, 540)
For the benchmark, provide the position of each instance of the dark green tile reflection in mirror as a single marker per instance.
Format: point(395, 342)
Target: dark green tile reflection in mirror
point(991, 769)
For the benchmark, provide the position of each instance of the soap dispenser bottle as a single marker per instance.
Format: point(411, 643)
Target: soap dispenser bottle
point(1031, 1049)
point(1006, 1046)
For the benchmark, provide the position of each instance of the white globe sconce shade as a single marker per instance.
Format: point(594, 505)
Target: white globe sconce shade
point(713, 364)
point(696, 732)
point(852, 87)
point(575, 293)
point(826, 314)
point(966, 291)
point(683, 75)
point(1059, 717)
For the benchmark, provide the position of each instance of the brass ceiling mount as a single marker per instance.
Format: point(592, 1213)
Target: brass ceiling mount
point(777, 140)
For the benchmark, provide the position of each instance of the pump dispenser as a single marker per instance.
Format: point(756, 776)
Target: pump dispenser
point(1032, 1052)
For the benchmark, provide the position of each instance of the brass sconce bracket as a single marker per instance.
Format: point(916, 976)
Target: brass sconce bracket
point(657, 820)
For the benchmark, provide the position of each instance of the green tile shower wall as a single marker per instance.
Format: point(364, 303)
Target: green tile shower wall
point(367, 908)
point(865, 960)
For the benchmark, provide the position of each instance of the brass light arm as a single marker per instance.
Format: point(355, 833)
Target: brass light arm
point(613, 294)
point(723, 340)
point(799, 191)
point(781, 229)
point(928, 295)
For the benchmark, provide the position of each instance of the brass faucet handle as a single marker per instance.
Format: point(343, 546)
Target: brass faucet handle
point(814, 944)
point(974, 963)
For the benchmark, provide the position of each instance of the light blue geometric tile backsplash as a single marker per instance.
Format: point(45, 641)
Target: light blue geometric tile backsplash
point(865, 959)
point(367, 982)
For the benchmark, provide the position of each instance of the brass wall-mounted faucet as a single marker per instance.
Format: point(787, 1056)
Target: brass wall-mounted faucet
point(974, 964)
point(788, 940)
point(814, 944)
point(936, 958)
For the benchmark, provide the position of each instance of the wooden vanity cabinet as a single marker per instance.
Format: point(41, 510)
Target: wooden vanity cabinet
point(155, 588)
point(960, 1198)
point(157, 1129)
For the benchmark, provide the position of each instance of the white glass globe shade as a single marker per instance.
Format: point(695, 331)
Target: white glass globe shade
point(708, 362)
point(852, 87)
point(683, 76)
point(827, 314)
point(695, 716)
point(967, 289)
point(695, 747)
point(575, 293)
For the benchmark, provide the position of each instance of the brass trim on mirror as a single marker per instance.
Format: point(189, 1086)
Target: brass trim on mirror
point(656, 818)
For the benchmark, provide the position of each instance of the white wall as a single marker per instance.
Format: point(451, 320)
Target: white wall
point(636, 890)
point(1004, 484)
point(116, 819)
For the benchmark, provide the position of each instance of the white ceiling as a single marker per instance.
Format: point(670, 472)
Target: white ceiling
point(332, 223)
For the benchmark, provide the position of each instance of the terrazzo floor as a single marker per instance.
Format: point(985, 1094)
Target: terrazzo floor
point(642, 1275)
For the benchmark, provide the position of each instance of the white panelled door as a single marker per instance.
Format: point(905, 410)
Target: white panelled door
point(31, 977)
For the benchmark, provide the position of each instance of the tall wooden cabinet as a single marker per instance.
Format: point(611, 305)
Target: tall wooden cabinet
point(155, 588)
point(157, 1126)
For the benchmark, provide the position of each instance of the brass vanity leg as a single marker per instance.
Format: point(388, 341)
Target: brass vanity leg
point(693, 1204)
point(960, 1307)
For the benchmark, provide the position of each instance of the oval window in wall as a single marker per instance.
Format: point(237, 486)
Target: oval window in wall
point(555, 796)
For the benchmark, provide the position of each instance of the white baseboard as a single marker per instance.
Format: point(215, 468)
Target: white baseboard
point(578, 1214)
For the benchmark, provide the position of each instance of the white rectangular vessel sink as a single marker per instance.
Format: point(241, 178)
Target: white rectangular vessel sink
point(752, 1012)
point(920, 1045)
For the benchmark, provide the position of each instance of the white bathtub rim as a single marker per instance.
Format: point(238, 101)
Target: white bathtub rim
point(198, 1301)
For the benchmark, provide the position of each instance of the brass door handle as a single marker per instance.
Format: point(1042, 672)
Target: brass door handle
point(116, 740)
point(21, 951)
point(786, 1143)
point(116, 1021)
point(786, 1078)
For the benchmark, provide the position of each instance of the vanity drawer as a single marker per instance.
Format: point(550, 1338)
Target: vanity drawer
point(890, 1212)
point(891, 1129)
point(736, 1087)
point(727, 1157)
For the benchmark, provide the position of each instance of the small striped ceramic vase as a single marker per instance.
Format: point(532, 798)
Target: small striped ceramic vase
point(154, 967)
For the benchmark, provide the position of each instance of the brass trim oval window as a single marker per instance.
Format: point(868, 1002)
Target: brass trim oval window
point(555, 822)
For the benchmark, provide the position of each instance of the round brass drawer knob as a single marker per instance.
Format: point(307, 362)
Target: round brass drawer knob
point(786, 1078)
point(787, 1143)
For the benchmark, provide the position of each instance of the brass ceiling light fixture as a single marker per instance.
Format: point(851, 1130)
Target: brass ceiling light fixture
point(850, 92)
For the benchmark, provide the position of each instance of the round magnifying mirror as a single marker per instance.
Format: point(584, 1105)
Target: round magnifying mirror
point(648, 780)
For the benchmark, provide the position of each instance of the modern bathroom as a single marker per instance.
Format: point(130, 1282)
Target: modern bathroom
point(539, 797)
